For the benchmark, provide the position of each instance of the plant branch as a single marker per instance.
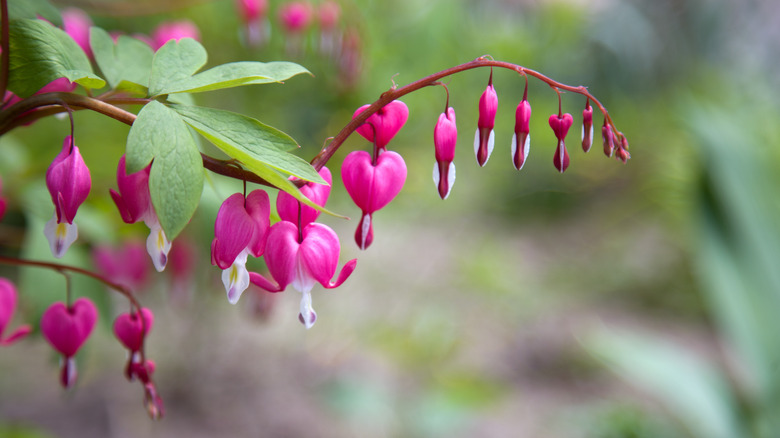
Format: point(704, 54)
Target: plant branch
point(395, 93)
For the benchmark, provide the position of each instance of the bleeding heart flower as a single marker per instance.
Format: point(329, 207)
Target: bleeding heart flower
point(253, 14)
point(484, 138)
point(69, 182)
point(291, 210)
point(174, 30)
point(445, 138)
point(125, 265)
point(66, 329)
point(384, 123)
point(240, 229)
point(8, 298)
point(295, 16)
point(302, 259)
point(372, 186)
point(560, 125)
point(76, 24)
point(135, 204)
point(521, 140)
point(131, 329)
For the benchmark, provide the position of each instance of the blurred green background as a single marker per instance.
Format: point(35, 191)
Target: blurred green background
point(614, 300)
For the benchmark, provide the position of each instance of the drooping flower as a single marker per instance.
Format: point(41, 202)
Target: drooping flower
point(608, 138)
point(76, 23)
point(8, 298)
point(587, 126)
point(384, 124)
point(329, 14)
point(253, 14)
point(240, 229)
point(69, 182)
point(66, 329)
point(484, 138)
point(135, 204)
point(291, 210)
point(445, 138)
point(521, 140)
point(302, 259)
point(126, 265)
point(174, 30)
point(372, 186)
point(131, 330)
point(560, 125)
point(295, 16)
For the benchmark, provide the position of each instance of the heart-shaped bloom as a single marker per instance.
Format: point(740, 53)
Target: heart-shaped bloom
point(76, 24)
point(560, 125)
point(174, 30)
point(291, 210)
point(587, 127)
point(484, 138)
point(295, 16)
point(384, 124)
point(521, 140)
point(372, 186)
point(135, 204)
point(66, 329)
point(445, 138)
point(8, 298)
point(69, 182)
point(302, 259)
point(131, 330)
point(240, 229)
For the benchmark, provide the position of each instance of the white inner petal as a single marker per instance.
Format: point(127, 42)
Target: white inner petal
point(158, 246)
point(60, 236)
point(236, 278)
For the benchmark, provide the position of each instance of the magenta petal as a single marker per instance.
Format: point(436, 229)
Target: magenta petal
point(560, 125)
point(281, 253)
point(17, 334)
point(8, 298)
point(264, 283)
point(445, 136)
point(319, 252)
point(373, 187)
point(66, 329)
point(68, 181)
point(346, 271)
point(130, 330)
point(233, 231)
point(258, 207)
point(77, 23)
point(133, 199)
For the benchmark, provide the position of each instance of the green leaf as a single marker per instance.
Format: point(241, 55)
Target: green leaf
point(33, 9)
point(235, 74)
point(174, 63)
point(126, 65)
point(41, 53)
point(176, 178)
point(259, 147)
point(690, 387)
point(248, 140)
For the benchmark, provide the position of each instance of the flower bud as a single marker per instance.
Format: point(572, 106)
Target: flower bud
point(560, 125)
point(521, 140)
point(445, 138)
point(608, 138)
point(484, 138)
point(383, 124)
point(587, 127)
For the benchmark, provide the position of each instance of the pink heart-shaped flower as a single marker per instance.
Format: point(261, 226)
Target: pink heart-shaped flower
point(129, 329)
point(560, 125)
point(372, 187)
point(385, 123)
point(288, 207)
point(65, 328)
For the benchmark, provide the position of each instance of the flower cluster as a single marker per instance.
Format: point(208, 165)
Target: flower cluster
point(297, 250)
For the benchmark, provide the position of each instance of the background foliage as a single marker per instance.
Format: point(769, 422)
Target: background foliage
point(493, 313)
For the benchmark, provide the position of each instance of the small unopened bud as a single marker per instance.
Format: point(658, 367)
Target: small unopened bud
point(445, 138)
point(521, 140)
point(587, 127)
point(608, 139)
point(484, 138)
point(560, 124)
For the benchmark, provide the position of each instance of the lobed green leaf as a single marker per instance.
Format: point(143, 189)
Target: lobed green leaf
point(176, 178)
point(33, 9)
point(41, 53)
point(126, 65)
point(173, 63)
